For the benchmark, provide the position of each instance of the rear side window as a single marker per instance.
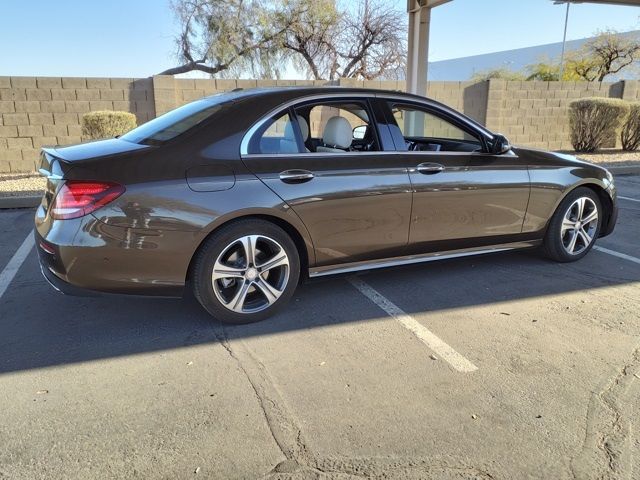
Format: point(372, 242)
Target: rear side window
point(173, 123)
point(337, 127)
point(275, 137)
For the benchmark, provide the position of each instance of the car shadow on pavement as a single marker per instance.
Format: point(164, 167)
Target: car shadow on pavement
point(41, 328)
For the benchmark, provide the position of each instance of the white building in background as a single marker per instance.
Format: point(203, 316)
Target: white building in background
point(461, 69)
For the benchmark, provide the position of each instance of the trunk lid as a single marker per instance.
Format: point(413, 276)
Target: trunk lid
point(100, 148)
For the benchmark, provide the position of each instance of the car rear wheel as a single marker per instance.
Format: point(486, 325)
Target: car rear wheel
point(574, 227)
point(246, 271)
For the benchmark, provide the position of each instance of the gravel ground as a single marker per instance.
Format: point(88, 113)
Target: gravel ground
point(618, 158)
point(25, 184)
point(18, 185)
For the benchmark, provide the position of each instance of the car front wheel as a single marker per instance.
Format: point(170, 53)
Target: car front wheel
point(246, 271)
point(574, 227)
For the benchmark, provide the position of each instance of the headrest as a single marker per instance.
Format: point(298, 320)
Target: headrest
point(337, 133)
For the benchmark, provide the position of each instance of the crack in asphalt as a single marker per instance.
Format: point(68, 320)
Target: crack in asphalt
point(615, 442)
point(299, 461)
point(606, 450)
point(283, 429)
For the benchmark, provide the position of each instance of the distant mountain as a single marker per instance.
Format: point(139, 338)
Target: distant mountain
point(460, 69)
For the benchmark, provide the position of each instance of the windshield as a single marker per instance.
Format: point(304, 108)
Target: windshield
point(174, 123)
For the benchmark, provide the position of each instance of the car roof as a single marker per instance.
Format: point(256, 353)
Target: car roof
point(288, 93)
point(304, 90)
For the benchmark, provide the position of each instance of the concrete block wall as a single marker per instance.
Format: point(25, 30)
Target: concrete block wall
point(630, 90)
point(40, 111)
point(535, 113)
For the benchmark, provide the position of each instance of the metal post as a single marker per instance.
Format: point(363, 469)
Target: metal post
point(564, 40)
point(419, 19)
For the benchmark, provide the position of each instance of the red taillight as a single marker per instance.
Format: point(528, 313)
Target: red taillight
point(77, 198)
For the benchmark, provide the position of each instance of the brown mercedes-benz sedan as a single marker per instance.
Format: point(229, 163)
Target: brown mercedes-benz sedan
point(241, 195)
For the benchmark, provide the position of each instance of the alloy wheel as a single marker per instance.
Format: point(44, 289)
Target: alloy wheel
point(250, 274)
point(579, 225)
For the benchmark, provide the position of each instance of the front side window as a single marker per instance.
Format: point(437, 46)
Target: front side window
point(425, 131)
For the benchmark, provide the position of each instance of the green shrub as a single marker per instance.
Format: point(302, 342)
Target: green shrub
point(107, 124)
point(630, 134)
point(595, 121)
point(497, 73)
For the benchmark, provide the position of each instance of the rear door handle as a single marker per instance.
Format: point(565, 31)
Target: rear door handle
point(296, 176)
point(430, 168)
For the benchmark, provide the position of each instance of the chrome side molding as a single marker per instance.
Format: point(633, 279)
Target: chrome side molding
point(409, 259)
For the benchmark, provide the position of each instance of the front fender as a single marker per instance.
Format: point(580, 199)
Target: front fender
point(551, 184)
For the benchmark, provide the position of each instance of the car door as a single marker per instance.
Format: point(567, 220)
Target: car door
point(463, 197)
point(356, 204)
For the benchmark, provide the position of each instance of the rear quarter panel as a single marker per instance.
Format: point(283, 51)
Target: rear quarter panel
point(148, 235)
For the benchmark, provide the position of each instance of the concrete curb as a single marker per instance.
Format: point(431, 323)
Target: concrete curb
point(20, 202)
point(625, 170)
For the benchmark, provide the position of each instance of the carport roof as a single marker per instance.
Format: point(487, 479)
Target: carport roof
point(411, 4)
point(633, 3)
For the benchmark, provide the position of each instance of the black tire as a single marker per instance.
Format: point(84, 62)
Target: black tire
point(226, 240)
point(554, 241)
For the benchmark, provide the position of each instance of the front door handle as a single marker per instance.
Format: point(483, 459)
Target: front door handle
point(296, 176)
point(430, 168)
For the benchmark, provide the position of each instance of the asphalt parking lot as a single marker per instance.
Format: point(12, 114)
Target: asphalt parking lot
point(496, 367)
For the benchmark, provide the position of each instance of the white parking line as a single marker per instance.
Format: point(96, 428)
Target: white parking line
point(14, 264)
point(629, 198)
point(617, 254)
point(447, 353)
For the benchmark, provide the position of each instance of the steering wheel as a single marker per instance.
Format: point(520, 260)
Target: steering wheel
point(411, 146)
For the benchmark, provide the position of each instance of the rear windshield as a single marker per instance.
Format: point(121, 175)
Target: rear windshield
point(173, 123)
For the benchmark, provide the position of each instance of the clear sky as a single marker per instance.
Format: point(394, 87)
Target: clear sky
point(134, 38)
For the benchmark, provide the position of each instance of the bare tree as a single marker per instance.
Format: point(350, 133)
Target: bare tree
point(330, 43)
point(606, 54)
point(372, 43)
point(234, 36)
point(217, 35)
point(311, 41)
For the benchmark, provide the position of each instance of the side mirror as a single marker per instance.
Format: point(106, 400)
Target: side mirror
point(500, 144)
point(359, 132)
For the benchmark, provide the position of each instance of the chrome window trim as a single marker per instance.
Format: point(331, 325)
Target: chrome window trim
point(337, 96)
point(421, 258)
point(345, 154)
point(381, 152)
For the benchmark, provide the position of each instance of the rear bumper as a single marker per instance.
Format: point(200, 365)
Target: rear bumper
point(61, 286)
point(86, 257)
